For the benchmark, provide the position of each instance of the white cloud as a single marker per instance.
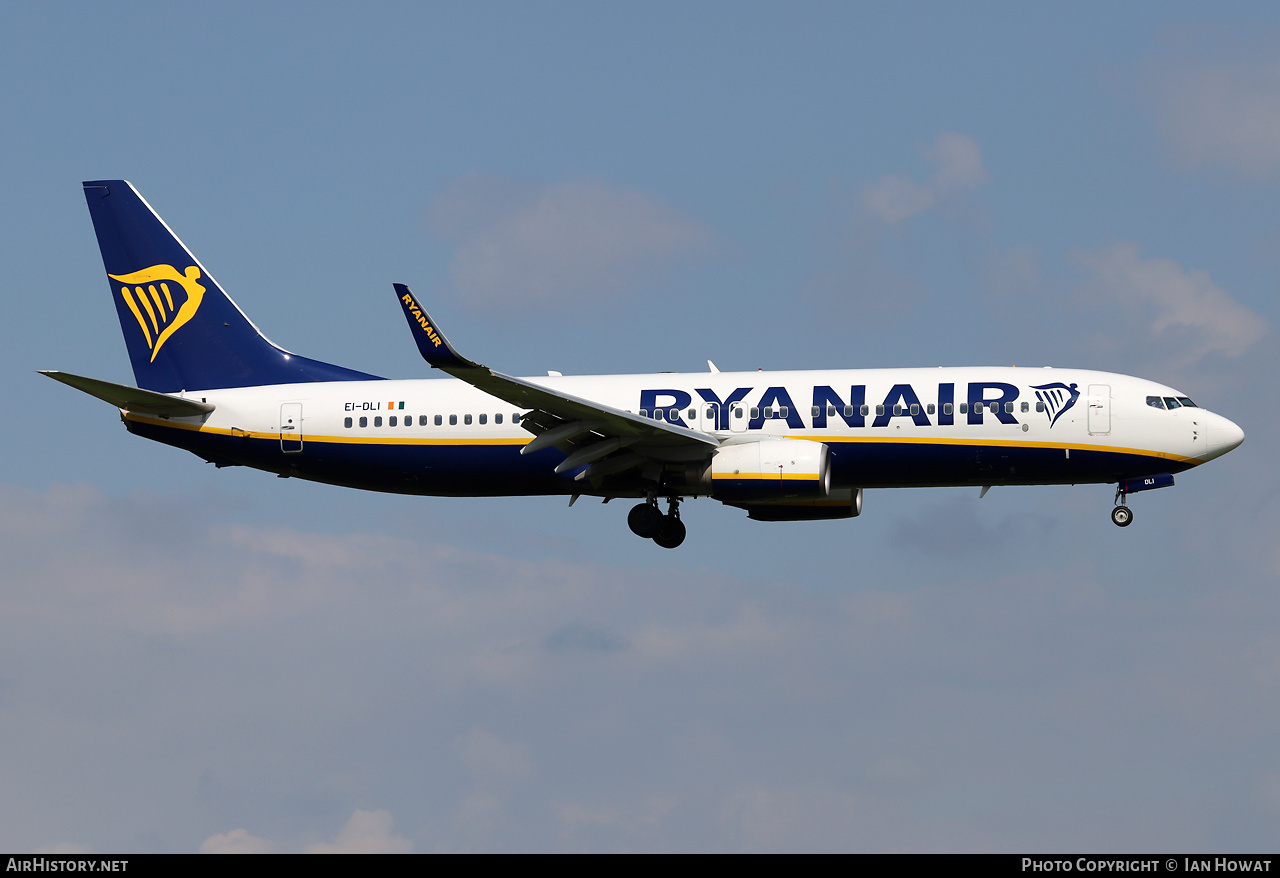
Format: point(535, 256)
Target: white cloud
point(1220, 112)
point(521, 245)
point(237, 841)
point(367, 832)
point(957, 166)
point(1209, 319)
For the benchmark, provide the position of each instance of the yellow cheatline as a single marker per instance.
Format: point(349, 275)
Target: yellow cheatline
point(380, 440)
point(807, 477)
point(309, 437)
point(1001, 443)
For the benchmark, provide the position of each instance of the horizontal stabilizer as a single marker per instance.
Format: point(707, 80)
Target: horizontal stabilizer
point(133, 399)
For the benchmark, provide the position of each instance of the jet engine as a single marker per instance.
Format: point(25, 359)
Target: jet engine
point(769, 470)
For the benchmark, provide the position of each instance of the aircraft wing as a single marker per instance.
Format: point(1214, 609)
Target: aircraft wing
point(133, 399)
point(587, 431)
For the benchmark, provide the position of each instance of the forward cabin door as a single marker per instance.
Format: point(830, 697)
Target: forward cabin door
point(291, 427)
point(1099, 409)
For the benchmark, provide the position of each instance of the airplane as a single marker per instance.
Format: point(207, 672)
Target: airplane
point(783, 446)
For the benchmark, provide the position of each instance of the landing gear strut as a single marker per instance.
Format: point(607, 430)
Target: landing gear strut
point(647, 522)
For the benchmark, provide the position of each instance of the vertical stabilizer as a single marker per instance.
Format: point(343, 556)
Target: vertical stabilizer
point(182, 331)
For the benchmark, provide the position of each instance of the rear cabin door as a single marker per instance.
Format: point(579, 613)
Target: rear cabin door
point(291, 427)
point(1099, 409)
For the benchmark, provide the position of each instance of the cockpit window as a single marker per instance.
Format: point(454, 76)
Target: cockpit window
point(1187, 403)
point(1172, 403)
point(1155, 402)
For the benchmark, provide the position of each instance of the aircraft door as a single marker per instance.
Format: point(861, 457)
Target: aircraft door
point(738, 418)
point(708, 417)
point(1099, 409)
point(291, 427)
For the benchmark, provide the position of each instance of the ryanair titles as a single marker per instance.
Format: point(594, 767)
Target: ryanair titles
point(416, 311)
point(980, 400)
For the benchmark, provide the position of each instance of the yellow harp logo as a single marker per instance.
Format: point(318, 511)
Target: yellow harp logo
point(151, 300)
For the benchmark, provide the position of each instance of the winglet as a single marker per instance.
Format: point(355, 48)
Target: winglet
point(432, 344)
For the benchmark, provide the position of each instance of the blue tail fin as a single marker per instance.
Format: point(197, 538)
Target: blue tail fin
point(183, 332)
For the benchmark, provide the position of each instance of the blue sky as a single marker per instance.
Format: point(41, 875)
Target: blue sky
point(197, 659)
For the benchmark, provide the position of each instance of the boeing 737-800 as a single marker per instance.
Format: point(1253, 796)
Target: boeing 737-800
point(784, 446)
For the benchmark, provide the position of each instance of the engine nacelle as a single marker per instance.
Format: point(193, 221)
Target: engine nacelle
point(770, 469)
point(839, 503)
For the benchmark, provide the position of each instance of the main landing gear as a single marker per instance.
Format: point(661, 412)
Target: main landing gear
point(647, 522)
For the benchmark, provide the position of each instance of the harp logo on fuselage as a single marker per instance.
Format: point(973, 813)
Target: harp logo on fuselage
point(1057, 398)
point(150, 298)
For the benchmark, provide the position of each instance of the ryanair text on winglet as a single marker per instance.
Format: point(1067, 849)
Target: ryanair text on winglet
point(421, 318)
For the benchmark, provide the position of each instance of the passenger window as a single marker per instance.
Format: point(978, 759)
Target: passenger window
point(737, 411)
point(1025, 407)
point(673, 415)
point(783, 411)
point(711, 413)
point(364, 422)
point(964, 408)
point(422, 420)
point(816, 409)
point(879, 410)
point(497, 419)
point(453, 420)
point(439, 420)
point(930, 409)
point(377, 421)
point(1039, 406)
point(947, 409)
point(466, 419)
point(391, 421)
point(848, 411)
point(1008, 408)
point(644, 413)
point(995, 407)
point(693, 414)
point(484, 419)
point(864, 411)
point(346, 422)
point(897, 410)
point(1172, 403)
point(755, 412)
point(915, 409)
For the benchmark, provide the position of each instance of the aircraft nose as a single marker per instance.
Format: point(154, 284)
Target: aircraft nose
point(1223, 436)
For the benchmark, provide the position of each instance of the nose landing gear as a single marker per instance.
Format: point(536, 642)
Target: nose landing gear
point(647, 522)
point(1122, 516)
